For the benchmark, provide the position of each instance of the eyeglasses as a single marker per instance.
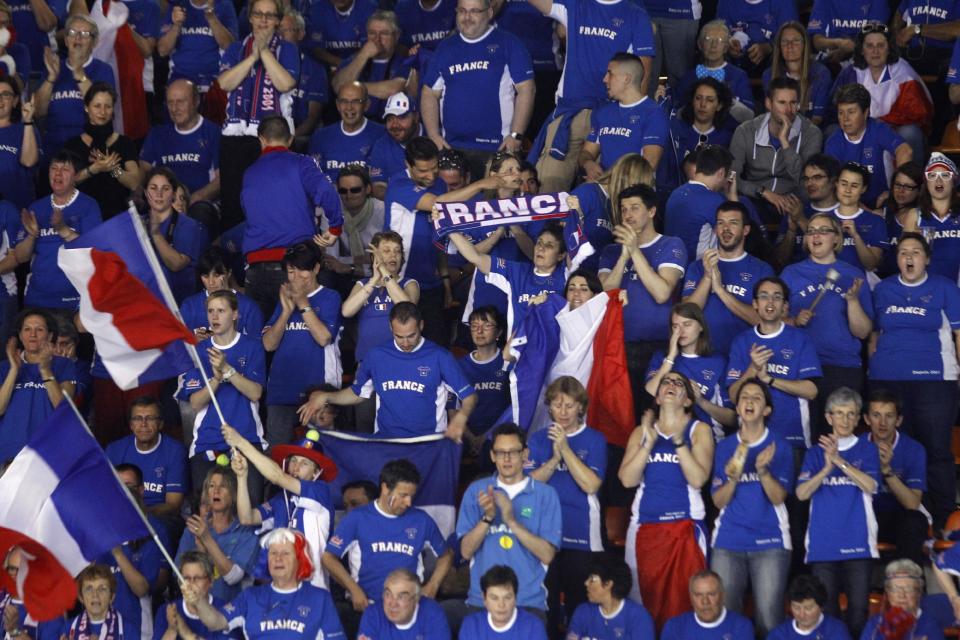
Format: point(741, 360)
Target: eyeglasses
point(776, 297)
point(820, 231)
point(506, 454)
point(264, 15)
point(482, 326)
point(90, 590)
point(7, 95)
point(943, 175)
point(715, 40)
point(793, 42)
point(83, 35)
point(817, 177)
point(353, 103)
point(142, 419)
point(672, 382)
point(905, 187)
point(874, 27)
point(345, 190)
point(846, 415)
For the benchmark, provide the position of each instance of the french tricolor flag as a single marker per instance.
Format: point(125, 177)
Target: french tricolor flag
point(61, 503)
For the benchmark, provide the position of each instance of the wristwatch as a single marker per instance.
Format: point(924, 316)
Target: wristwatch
point(515, 135)
point(486, 520)
point(760, 191)
point(916, 29)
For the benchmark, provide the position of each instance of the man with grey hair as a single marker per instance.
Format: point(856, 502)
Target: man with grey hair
point(478, 91)
point(903, 586)
point(709, 618)
point(376, 66)
point(311, 93)
point(403, 609)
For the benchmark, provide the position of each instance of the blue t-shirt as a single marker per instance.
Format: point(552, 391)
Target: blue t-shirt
point(691, 213)
point(490, 382)
point(425, 27)
point(193, 622)
point(240, 544)
point(842, 523)
point(147, 559)
point(581, 511)
point(29, 33)
point(522, 626)
point(16, 179)
point(595, 31)
point(164, 466)
point(411, 388)
point(630, 622)
point(333, 148)
point(945, 233)
point(190, 238)
point(29, 404)
point(311, 87)
point(876, 150)
point(794, 358)
point(271, 614)
point(534, 29)
point(829, 328)
point(192, 155)
point(704, 372)
point(820, 82)
point(684, 140)
point(750, 522)
point(953, 71)
point(739, 276)
point(839, 19)
point(9, 232)
point(522, 282)
point(645, 318)
point(428, 623)
point(909, 463)
point(299, 361)
point(387, 158)
point(537, 509)
point(244, 115)
point(758, 20)
point(926, 626)
point(929, 12)
point(686, 626)
point(379, 70)
point(245, 355)
point(47, 285)
point(686, 10)
point(620, 129)
point(373, 319)
point(414, 226)
point(249, 320)
point(378, 543)
point(197, 54)
point(340, 33)
point(872, 230)
point(828, 628)
point(664, 494)
point(916, 325)
point(476, 79)
point(65, 115)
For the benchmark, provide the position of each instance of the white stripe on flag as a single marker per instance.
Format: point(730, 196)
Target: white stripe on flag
point(30, 511)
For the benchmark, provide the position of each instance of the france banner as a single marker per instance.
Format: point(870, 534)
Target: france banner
point(360, 457)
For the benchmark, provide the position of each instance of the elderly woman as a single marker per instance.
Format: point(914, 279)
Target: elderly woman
point(288, 602)
point(793, 56)
point(109, 170)
point(66, 82)
point(914, 354)
point(898, 95)
point(180, 620)
point(609, 613)
point(97, 588)
point(752, 475)
point(217, 531)
point(837, 314)
point(807, 596)
point(839, 478)
point(572, 458)
point(903, 618)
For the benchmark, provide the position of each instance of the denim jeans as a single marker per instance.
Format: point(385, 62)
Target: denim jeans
point(854, 575)
point(766, 573)
point(263, 281)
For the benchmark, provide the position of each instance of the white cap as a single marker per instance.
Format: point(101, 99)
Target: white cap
point(399, 104)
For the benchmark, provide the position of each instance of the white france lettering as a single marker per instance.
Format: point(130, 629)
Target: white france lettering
point(914, 311)
point(282, 625)
point(735, 290)
point(610, 34)
point(544, 204)
point(509, 207)
point(484, 210)
point(780, 369)
point(154, 487)
point(664, 457)
point(459, 212)
point(392, 547)
point(403, 385)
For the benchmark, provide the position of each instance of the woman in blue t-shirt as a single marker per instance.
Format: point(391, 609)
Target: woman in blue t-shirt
point(807, 596)
point(96, 590)
point(793, 57)
point(704, 119)
point(752, 475)
point(20, 143)
point(689, 352)
point(839, 478)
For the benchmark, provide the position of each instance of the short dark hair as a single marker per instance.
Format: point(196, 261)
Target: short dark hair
point(65, 156)
point(781, 83)
point(610, 568)
point(488, 312)
point(356, 170)
point(403, 312)
point(303, 255)
point(853, 93)
point(499, 575)
point(274, 128)
point(912, 235)
point(829, 164)
point(452, 160)
point(99, 87)
point(369, 489)
point(508, 429)
point(143, 401)
point(421, 148)
point(775, 280)
point(593, 282)
point(807, 587)
point(732, 205)
point(48, 320)
point(132, 468)
point(554, 229)
point(859, 169)
point(634, 62)
point(712, 157)
point(647, 195)
point(401, 470)
point(66, 329)
point(213, 259)
point(885, 396)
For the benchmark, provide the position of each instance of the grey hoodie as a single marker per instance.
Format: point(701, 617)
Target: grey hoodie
point(758, 163)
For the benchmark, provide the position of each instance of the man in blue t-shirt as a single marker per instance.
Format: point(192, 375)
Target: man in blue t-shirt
point(405, 614)
point(349, 141)
point(478, 89)
point(193, 35)
point(632, 121)
point(709, 619)
point(412, 377)
point(387, 158)
point(866, 141)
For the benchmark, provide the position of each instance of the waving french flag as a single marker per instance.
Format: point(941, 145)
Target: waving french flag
point(138, 337)
point(61, 503)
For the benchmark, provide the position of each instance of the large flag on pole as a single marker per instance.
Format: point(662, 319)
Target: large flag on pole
point(60, 502)
point(138, 337)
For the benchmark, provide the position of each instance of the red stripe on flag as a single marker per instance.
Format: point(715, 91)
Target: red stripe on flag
point(49, 590)
point(145, 322)
point(611, 399)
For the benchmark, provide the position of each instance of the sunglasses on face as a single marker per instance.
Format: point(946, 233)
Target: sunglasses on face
point(353, 190)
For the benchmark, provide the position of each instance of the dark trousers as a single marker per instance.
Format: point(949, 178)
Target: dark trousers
point(833, 378)
point(435, 325)
point(906, 529)
point(929, 411)
point(639, 355)
point(854, 577)
point(263, 280)
point(237, 153)
point(567, 574)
